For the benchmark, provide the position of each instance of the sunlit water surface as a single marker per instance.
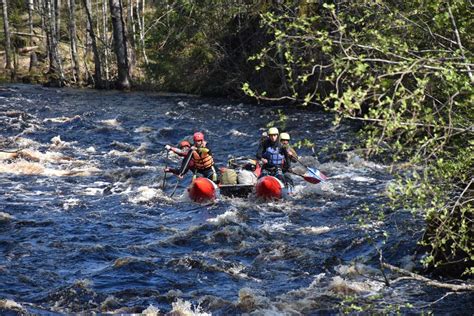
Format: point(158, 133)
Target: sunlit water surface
point(85, 225)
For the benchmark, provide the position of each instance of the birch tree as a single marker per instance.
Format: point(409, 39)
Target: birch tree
point(105, 40)
point(55, 64)
point(73, 32)
point(33, 58)
point(141, 28)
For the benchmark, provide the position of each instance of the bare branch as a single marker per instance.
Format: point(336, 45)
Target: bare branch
point(438, 300)
point(453, 287)
point(468, 130)
point(458, 38)
point(460, 196)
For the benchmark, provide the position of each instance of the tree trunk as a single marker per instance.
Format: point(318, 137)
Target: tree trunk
point(131, 22)
point(129, 27)
point(72, 29)
point(56, 35)
point(33, 58)
point(88, 5)
point(30, 20)
point(120, 45)
point(6, 29)
point(55, 64)
point(141, 28)
point(105, 31)
point(57, 20)
point(98, 82)
point(48, 31)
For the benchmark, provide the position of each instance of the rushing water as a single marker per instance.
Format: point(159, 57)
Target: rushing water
point(86, 227)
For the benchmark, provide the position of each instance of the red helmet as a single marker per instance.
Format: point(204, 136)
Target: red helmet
point(184, 143)
point(198, 136)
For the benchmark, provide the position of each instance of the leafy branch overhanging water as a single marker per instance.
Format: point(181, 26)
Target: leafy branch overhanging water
point(406, 72)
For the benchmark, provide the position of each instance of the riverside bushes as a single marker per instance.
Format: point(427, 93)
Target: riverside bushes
point(406, 71)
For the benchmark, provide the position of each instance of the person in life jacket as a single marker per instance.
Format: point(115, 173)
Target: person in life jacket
point(182, 150)
point(200, 156)
point(285, 143)
point(273, 157)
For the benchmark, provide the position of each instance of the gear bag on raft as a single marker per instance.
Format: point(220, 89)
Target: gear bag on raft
point(228, 176)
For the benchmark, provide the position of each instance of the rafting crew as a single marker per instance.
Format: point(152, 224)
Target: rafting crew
point(197, 158)
point(274, 157)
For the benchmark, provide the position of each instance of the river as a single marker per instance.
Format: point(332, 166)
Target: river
point(86, 227)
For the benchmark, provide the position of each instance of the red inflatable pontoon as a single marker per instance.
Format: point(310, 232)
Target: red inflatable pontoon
point(202, 190)
point(269, 188)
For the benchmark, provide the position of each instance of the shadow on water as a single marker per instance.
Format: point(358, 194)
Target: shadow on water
point(86, 227)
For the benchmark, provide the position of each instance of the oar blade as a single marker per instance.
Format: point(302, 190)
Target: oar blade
point(311, 179)
point(315, 174)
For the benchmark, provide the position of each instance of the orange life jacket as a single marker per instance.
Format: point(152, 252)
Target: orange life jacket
point(202, 158)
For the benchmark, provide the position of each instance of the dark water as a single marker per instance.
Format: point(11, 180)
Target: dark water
point(85, 226)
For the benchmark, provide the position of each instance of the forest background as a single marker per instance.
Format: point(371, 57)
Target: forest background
point(402, 69)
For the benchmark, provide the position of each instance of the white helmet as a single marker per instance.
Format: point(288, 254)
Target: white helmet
point(273, 131)
point(284, 136)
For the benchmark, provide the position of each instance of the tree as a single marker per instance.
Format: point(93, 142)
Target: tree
point(73, 33)
point(98, 81)
point(56, 73)
point(33, 57)
point(120, 44)
point(6, 29)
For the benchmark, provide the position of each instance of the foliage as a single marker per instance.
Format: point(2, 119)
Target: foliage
point(193, 45)
point(406, 70)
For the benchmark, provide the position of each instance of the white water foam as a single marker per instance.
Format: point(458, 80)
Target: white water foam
point(93, 191)
point(61, 119)
point(91, 150)
point(5, 217)
point(23, 142)
point(13, 306)
point(185, 308)
point(230, 216)
point(234, 132)
point(311, 230)
point(339, 285)
point(143, 129)
point(145, 194)
point(272, 226)
point(58, 144)
point(151, 311)
point(111, 123)
point(69, 203)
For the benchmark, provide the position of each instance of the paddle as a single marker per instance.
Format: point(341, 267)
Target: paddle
point(166, 167)
point(313, 175)
point(174, 189)
point(182, 170)
point(184, 166)
point(309, 179)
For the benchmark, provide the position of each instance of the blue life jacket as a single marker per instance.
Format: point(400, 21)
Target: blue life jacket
point(274, 156)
